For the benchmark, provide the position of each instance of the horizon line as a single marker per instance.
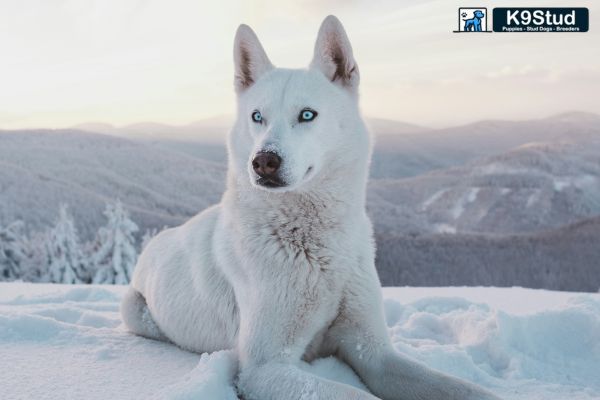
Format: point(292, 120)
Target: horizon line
point(231, 118)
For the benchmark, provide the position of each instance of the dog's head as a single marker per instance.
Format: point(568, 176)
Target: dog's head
point(478, 14)
point(292, 125)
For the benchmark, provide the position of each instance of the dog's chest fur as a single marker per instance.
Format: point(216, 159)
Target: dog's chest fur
point(295, 255)
point(296, 233)
point(300, 230)
point(288, 244)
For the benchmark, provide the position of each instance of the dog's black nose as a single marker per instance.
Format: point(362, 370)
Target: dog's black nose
point(266, 164)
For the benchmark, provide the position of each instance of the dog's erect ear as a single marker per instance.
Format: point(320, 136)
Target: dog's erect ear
point(249, 57)
point(333, 54)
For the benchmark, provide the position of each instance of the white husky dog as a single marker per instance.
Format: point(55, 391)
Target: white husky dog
point(282, 270)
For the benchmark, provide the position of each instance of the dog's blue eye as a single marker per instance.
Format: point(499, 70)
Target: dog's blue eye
point(307, 115)
point(257, 117)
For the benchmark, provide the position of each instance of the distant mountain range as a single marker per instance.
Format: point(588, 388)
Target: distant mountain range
point(531, 188)
point(41, 169)
point(211, 130)
point(401, 149)
point(412, 154)
point(214, 130)
point(492, 177)
point(206, 139)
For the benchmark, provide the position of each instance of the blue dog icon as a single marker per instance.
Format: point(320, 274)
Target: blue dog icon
point(474, 24)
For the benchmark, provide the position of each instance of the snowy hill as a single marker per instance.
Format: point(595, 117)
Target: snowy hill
point(401, 149)
point(406, 155)
point(67, 342)
point(566, 258)
point(42, 169)
point(531, 188)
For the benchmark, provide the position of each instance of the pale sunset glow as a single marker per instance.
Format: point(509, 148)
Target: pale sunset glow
point(120, 62)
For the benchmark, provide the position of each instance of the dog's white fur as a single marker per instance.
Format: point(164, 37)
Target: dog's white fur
point(286, 274)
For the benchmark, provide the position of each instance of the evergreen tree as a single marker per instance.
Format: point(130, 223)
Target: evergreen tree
point(115, 252)
point(65, 258)
point(35, 267)
point(13, 251)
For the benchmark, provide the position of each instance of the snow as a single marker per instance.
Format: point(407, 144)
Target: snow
point(459, 207)
point(472, 196)
point(580, 182)
point(444, 228)
point(67, 342)
point(561, 184)
point(435, 197)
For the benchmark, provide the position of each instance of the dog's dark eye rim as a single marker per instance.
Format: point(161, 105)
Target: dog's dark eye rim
point(256, 117)
point(312, 115)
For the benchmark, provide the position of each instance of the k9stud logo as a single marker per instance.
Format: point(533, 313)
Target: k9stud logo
point(523, 19)
point(472, 19)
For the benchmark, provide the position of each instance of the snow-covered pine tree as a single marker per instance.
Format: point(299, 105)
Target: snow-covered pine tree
point(35, 267)
point(65, 258)
point(13, 251)
point(115, 253)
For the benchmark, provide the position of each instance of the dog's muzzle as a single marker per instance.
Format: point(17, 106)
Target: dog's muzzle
point(266, 164)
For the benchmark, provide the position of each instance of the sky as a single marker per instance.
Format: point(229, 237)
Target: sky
point(65, 62)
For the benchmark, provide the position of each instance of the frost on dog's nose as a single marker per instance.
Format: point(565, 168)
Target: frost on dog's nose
point(266, 165)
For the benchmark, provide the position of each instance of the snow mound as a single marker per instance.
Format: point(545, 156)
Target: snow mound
point(211, 379)
point(68, 342)
point(558, 348)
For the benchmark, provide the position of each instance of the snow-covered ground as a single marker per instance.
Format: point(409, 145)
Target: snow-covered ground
point(67, 342)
